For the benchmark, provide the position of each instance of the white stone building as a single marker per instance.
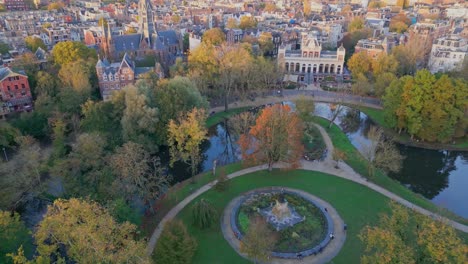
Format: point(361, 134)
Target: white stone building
point(448, 53)
point(310, 63)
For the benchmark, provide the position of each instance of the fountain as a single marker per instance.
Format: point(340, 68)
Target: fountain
point(281, 215)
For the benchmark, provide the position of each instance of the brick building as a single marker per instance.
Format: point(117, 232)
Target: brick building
point(15, 94)
point(115, 76)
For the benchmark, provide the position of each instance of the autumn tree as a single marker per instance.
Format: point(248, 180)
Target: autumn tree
point(275, 137)
point(427, 107)
point(13, 235)
point(88, 233)
point(360, 65)
point(410, 56)
point(175, 245)
point(33, 43)
point(356, 24)
point(258, 241)
point(231, 23)
point(214, 36)
point(247, 22)
point(337, 156)
point(55, 6)
point(380, 152)
point(185, 136)
point(306, 7)
point(77, 75)
point(172, 97)
point(70, 51)
point(265, 41)
point(407, 237)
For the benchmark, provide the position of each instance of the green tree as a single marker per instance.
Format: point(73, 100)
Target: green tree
point(58, 143)
point(204, 214)
point(178, 95)
point(305, 107)
point(383, 81)
point(175, 245)
point(214, 36)
point(88, 233)
point(185, 136)
point(71, 51)
point(4, 48)
point(13, 235)
point(33, 43)
point(33, 124)
point(103, 117)
point(139, 120)
point(8, 134)
point(21, 177)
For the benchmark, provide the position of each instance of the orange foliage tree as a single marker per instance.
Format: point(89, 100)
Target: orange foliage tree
point(275, 137)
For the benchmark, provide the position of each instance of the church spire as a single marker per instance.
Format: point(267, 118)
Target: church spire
point(146, 21)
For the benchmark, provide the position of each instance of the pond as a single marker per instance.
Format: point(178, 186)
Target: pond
point(440, 176)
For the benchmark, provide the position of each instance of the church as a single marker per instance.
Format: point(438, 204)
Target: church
point(165, 45)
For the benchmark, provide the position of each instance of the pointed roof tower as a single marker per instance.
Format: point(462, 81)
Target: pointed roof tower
point(146, 20)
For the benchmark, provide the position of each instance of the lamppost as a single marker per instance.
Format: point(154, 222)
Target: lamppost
point(4, 153)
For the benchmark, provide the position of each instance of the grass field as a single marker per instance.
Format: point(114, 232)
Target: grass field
point(356, 204)
point(357, 162)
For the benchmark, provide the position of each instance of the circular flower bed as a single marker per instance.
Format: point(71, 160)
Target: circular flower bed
point(305, 227)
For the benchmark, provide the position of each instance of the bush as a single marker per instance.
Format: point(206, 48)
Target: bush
point(204, 214)
point(175, 246)
point(223, 182)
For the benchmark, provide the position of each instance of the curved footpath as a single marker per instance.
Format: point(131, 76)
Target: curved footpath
point(318, 95)
point(325, 166)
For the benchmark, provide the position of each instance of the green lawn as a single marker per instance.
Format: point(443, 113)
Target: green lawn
point(357, 162)
point(356, 204)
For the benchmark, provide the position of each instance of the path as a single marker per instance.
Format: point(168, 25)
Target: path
point(320, 96)
point(327, 254)
point(325, 166)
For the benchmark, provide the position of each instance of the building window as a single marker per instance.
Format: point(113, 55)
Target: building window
point(16, 87)
point(22, 86)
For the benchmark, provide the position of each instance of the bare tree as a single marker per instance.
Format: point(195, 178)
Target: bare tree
point(380, 152)
point(335, 113)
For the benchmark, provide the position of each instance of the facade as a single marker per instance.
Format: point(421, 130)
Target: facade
point(427, 32)
point(16, 5)
point(114, 76)
point(374, 46)
point(15, 94)
point(448, 53)
point(310, 62)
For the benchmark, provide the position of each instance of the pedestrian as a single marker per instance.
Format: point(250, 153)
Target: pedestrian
point(345, 227)
point(326, 210)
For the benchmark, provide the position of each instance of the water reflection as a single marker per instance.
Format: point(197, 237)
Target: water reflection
point(441, 176)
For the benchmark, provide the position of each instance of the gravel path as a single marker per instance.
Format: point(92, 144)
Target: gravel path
point(325, 166)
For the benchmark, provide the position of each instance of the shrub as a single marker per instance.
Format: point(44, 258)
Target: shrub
point(223, 181)
point(175, 246)
point(204, 214)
